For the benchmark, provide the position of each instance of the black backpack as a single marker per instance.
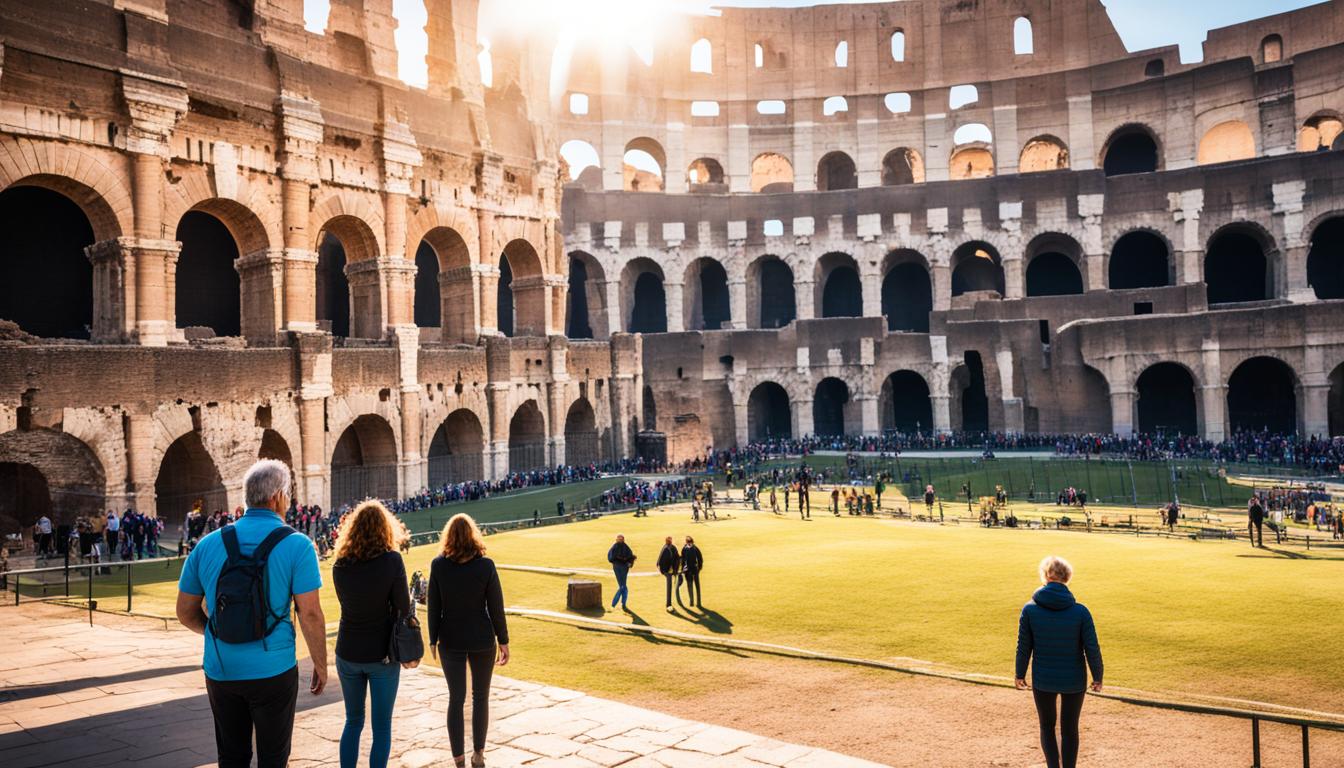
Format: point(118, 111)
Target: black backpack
point(242, 612)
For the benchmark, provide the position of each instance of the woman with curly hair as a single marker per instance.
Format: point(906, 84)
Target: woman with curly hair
point(466, 618)
point(370, 580)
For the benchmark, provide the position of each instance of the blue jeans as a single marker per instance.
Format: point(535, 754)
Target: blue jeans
point(382, 680)
point(622, 593)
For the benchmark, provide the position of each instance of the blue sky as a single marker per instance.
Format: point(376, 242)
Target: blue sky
point(1141, 23)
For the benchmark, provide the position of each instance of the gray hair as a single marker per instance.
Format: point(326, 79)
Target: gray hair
point(263, 480)
point(1054, 568)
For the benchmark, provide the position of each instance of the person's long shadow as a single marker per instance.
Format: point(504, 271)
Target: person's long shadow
point(63, 686)
point(709, 619)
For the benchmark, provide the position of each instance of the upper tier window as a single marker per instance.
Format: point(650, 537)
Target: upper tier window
point(833, 105)
point(898, 45)
point(961, 95)
point(702, 57)
point(842, 54)
point(578, 103)
point(770, 107)
point(1022, 40)
point(760, 55)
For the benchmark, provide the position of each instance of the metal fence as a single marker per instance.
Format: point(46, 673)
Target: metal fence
point(350, 484)
point(455, 468)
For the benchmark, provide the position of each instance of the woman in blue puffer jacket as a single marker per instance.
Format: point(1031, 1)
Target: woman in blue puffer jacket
point(1055, 634)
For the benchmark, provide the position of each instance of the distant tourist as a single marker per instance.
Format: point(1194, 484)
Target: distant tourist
point(622, 559)
point(251, 673)
point(1255, 521)
point(370, 580)
point(1055, 633)
point(692, 562)
point(669, 564)
point(466, 619)
point(1276, 522)
point(928, 499)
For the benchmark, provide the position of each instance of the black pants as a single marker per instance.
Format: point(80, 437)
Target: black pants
point(1256, 530)
point(1068, 727)
point(455, 665)
point(265, 706)
point(671, 578)
point(693, 595)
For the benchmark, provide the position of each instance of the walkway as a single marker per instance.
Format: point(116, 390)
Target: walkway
point(130, 692)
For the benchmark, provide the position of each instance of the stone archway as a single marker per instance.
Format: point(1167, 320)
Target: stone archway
point(583, 444)
point(1166, 400)
point(527, 438)
point(188, 477)
point(456, 451)
point(364, 462)
point(43, 471)
point(769, 416)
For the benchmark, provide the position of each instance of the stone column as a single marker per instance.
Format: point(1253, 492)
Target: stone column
point(140, 460)
point(113, 289)
point(615, 323)
point(675, 300)
point(1213, 392)
point(301, 126)
point(497, 457)
point(805, 300)
point(1290, 277)
point(802, 416)
point(1013, 281)
point(366, 310)
point(942, 413)
point(400, 157)
point(412, 463)
point(261, 278)
point(869, 420)
point(1315, 416)
point(489, 273)
point(741, 422)
point(459, 289)
point(314, 362)
point(1186, 207)
point(1122, 411)
point(737, 303)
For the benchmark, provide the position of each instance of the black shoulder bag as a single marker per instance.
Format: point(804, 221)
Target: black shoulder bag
point(406, 643)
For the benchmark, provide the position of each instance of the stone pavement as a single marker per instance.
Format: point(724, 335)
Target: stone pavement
point(129, 691)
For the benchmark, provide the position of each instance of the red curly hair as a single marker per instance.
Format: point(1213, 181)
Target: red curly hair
point(367, 532)
point(461, 540)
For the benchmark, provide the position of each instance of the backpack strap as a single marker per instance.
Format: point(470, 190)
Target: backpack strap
point(261, 555)
point(230, 537)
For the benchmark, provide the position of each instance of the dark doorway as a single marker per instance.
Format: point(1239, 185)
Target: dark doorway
point(768, 414)
point(46, 281)
point(976, 267)
point(1325, 260)
point(842, 295)
point(527, 438)
point(1235, 269)
point(582, 446)
point(897, 168)
point(1336, 401)
point(974, 401)
point(364, 462)
point(208, 292)
point(906, 403)
point(273, 446)
point(577, 325)
point(1167, 401)
point(907, 298)
point(504, 298)
point(333, 290)
point(649, 314)
point(188, 475)
point(836, 171)
point(778, 304)
point(1262, 396)
point(714, 301)
point(828, 407)
point(455, 450)
point(1053, 274)
point(1131, 150)
point(1139, 260)
point(650, 420)
point(428, 306)
point(24, 497)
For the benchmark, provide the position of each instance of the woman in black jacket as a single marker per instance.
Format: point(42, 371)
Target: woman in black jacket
point(370, 581)
point(466, 618)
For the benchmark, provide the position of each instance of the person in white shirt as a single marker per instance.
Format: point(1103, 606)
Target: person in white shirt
point(45, 544)
point(1278, 526)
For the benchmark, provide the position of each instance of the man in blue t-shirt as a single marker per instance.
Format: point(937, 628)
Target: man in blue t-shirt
point(254, 686)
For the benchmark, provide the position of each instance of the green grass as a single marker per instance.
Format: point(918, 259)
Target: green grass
point(1174, 615)
point(515, 505)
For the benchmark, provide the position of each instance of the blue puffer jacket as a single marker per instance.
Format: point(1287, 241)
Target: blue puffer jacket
point(1058, 632)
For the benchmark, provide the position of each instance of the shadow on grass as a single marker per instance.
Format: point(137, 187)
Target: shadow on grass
point(1275, 553)
point(668, 641)
point(709, 619)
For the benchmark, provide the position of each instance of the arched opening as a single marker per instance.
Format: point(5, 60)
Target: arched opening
point(47, 472)
point(973, 162)
point(902, 166)
point(1226, 142)
point(834, 105)
point(455, 451)
point(24, 497)
point(907, 293)
point(650, 409)
point(645, 300)
point(1262, 396)
point(1052, 266)
point(707, 302)
point(445, 294)
point(504, 297)
point(838, 282)
point(842, 54)
point(976, 267)
point(521, 293)
point(1043, 153)
point(769, 416)
point(428, 304)
point(364, 462)
point(771, 172)
point(704, 172)
point(187, 475)
point(836, 171)
point(905, 403)
point(585, 167)
point(1271, 49)
point(1336, 401)
point(828, 407)
point(702, 56)
point(643, 166)
point(274, 446)
point(46, 281)
point(968, 382)
point(1319, 133)
point(776, 304)
point(582, 445)
point(577, 325)
point(1166, 402)
point(1236, 267)
point(527, 438)
point(1023, 44)
point(1325, 259)
point(208, 287)
point(349, 291)
point(1130, 149)
point(1139, 259)
point(898, 45)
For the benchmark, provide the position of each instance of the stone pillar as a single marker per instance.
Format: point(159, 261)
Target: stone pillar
point(737, 302)
point(1213, 392)
point(460, 316)
point(497, 456)
point(1122, 411)
point(261, 278)
point(412, 463)
point(615, 323)
point(315, 386)
point(151, 282)
point(942, 287)
point(113, 289)
point(802, 417)
point(805, 300)
point(140, 460)
point(741, 422)
point(366, 293)
point(1290, 274)
point(1090, 209)
point(488, 280)
point(676, 311)
point(1315, 417)
point(400, 157)
point(399, 275)
point(301, 126)
point(869, 420)
point(555, 404)
point(1013, 280)
point(1185, 208)
point(942, 413)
